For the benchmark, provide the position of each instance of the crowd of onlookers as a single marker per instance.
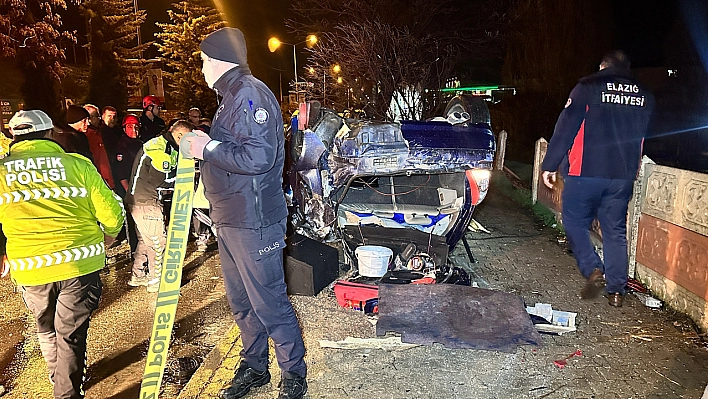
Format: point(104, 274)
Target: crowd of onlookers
point(118, 147)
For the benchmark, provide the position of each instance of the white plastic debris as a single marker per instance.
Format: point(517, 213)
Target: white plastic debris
point(648, 300)
point(561, 322)
point(389, 343)
point(477, 227)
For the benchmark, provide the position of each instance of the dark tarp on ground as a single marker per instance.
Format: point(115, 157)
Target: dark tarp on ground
point(455, 316)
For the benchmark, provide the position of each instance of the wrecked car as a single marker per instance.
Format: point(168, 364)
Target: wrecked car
point(410, 186)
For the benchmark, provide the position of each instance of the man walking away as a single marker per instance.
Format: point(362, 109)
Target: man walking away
point(597, 143)
point(242, 173)
point(55, 244)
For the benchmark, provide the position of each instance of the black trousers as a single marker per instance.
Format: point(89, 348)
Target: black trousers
point(62, 311)
point(252, 264)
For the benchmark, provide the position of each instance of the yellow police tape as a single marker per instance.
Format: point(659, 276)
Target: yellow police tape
point(170, 279)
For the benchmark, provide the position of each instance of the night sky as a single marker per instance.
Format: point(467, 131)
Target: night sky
point(258, 22)
point(651, 31)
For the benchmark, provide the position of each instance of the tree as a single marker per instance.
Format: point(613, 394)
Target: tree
point(389, 48)
point(30, 30)
point(191, 21)
point(115, 60)
point(375, 62)
point(543, 70)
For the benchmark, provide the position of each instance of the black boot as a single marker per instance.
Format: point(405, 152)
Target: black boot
point(244, 379)
point(292, 388)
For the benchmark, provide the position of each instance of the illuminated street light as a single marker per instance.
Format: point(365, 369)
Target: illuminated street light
point(274, 43)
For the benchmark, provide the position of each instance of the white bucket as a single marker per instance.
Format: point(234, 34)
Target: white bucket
point(373, 260)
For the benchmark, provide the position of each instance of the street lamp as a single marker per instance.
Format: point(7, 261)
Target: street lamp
point(336, 69)
point(274, 43)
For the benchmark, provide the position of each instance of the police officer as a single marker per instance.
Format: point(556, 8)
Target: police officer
point(598, 140)
point(242, 174)
point(154, 168)
point(55, 245)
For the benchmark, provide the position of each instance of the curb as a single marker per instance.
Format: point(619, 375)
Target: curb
point(216, 370)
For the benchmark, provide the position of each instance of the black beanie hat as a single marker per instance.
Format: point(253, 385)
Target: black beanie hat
point(225, 44)
point(75, 114)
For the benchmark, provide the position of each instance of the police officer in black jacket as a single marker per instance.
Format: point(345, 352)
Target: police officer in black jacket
point(242, 174)
point(597, 143)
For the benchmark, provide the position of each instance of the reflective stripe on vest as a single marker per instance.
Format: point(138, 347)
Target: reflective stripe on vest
point(44, 193)
point(59, 257)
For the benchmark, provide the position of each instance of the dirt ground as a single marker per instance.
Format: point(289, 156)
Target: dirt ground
point(119, 331)
point(631, 352)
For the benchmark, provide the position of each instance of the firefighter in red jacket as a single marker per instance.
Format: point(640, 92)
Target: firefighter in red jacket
point(597, 143)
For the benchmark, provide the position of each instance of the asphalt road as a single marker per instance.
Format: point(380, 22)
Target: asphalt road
point(631, 352)
point(119, 331)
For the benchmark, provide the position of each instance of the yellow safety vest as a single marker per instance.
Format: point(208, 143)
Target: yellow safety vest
point(51, 204)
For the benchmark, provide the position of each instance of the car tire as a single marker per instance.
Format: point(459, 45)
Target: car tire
point(476, 107)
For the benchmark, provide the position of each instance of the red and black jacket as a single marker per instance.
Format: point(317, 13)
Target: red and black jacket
point(601, 130)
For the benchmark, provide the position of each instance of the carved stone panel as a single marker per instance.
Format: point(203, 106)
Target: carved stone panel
point(677, 196)
point(695, 203)
point(676, 253)
point(661, 193)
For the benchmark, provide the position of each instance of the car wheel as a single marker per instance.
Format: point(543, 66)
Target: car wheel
point(476, 107)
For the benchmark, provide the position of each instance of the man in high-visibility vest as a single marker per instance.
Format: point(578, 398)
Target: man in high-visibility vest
point(56, 212)
point(154, 168)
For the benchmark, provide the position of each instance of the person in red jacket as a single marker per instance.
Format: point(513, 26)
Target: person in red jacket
point(98, 148)
point(597, 143)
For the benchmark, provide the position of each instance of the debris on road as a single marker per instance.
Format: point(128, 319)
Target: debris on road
point(477, 227)
point(455, 316)
point(389, 343)
point(648, 300)
point(563, 362)
point(635, 285)
point(559, 322)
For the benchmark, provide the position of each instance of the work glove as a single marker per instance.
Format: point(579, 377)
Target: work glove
point(192, 144)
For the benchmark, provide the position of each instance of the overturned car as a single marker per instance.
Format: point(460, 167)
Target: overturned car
point(410, 187)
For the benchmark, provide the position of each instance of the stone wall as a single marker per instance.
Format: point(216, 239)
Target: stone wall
point(667, 233)
point(672, 244)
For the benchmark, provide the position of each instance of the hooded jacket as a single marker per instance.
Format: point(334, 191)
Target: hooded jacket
point(51, 204)
point(601, 130)
point(243, 174)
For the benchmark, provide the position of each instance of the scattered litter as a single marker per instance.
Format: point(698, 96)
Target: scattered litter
point(558, 322)
point(357, 296)
point(636, 285)
point(647, 338)
point(648, 300)
point(669, 379)
point(561, 240)
point(476, 227)
point(562, 362)
point(389, 343)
